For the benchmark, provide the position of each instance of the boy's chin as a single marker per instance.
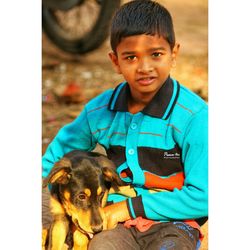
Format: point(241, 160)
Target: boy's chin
point(149, 88)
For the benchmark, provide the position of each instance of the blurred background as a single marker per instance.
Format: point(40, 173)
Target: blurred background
point(69, 80)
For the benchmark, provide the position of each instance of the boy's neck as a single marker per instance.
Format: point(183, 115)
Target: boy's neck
point(138, 103)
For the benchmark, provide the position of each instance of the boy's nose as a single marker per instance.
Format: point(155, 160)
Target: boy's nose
point(144, 67)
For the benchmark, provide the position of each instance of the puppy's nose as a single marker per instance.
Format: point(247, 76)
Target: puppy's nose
point(97, 228)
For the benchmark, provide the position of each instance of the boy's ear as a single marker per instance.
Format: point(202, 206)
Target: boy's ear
point(175, 50)
point(114, 59)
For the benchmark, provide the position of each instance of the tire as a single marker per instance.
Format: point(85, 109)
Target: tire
point(90, 39)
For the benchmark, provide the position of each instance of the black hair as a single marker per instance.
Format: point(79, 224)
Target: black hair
point(141, 17)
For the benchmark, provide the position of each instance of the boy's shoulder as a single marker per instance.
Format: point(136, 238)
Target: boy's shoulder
point(189, 109)
point(105, 100)
point(188, 106)
point(190, 101)
point(100, 101)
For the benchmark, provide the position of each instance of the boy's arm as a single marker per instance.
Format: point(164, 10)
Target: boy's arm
point(75, 135)
point(115, 213)
point(191, 201)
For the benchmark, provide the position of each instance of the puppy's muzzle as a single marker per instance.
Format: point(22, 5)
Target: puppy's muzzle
point(97, 228)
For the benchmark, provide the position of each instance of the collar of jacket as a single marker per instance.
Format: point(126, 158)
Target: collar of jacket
point(160, 106)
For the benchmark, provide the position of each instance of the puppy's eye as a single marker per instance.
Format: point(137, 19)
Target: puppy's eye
point(82, 196)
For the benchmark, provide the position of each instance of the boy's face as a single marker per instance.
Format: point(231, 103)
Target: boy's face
point(144, 61)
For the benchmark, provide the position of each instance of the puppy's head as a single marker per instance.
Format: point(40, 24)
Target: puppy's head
point(83, 180)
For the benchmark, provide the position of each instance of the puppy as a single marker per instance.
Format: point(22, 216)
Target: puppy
point(79, 186)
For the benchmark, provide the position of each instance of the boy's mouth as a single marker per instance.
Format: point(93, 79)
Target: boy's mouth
point(146, 80)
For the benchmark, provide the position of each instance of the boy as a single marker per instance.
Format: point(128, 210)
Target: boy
point(154, 129)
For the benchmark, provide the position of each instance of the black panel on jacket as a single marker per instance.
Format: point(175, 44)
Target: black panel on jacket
point(116, 154)
point(160, 161)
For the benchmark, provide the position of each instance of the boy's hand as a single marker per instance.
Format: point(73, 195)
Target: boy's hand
point(117, 212)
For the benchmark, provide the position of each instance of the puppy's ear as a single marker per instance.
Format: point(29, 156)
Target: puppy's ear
point(111, 176)
point(109, 171)
point(59, 173)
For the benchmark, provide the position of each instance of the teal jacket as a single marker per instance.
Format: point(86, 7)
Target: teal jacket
point(162, 150)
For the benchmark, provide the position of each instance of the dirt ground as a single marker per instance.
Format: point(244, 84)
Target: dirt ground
point(93, 72)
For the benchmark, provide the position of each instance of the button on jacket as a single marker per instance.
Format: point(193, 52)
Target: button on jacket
point(162, 150)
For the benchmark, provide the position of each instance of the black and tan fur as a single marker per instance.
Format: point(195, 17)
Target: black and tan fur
point(80, 183)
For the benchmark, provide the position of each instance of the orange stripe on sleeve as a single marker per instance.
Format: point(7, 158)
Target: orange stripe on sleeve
point(174, 181)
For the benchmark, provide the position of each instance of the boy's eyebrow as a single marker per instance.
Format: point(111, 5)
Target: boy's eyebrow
point(128, 52)
point(157, 48)
point(149, 50)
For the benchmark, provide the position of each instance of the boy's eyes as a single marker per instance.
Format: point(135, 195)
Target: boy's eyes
point(130, 58)
point(154, 55)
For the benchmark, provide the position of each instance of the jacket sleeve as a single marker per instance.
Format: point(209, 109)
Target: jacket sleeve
point(75, 135)
point(191, 201)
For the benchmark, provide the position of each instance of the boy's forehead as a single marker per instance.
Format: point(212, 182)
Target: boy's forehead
point(142, 42)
